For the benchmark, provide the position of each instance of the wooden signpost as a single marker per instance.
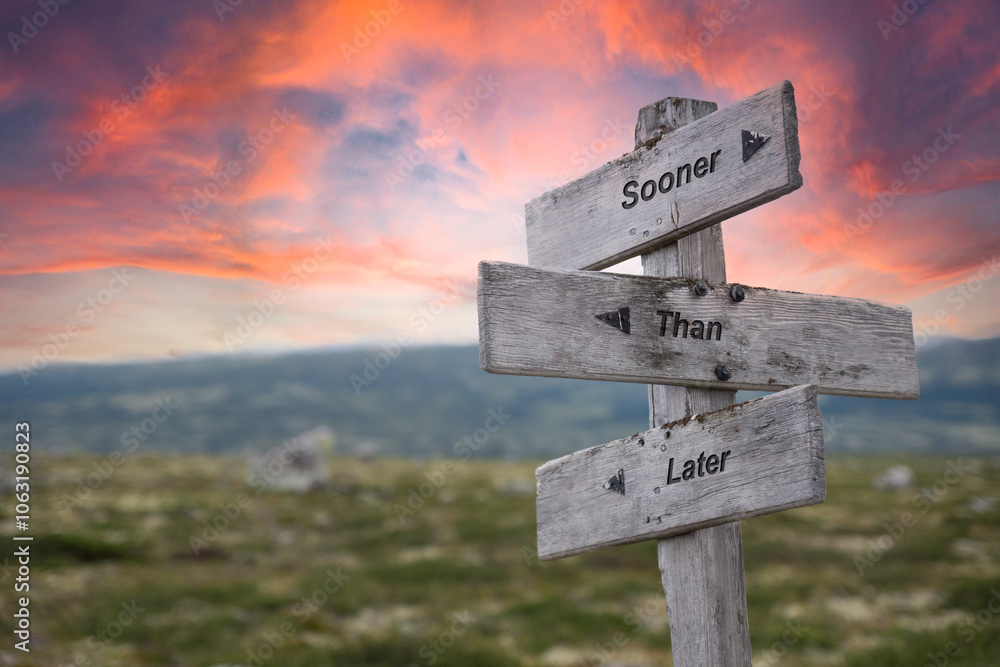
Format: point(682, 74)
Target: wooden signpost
point(705, 463)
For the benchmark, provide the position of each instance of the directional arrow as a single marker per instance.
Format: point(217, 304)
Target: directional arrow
point(617, 482)
point(619, 319)
point(751, 142)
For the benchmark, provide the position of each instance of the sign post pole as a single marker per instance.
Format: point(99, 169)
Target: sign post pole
point(702, 572)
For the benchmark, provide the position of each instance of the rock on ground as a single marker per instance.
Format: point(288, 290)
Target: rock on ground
point(895, 478)
point(296, 465)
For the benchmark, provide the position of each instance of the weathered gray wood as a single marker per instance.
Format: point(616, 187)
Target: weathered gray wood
point(583, 225)
point(657, 119)
point(701, 571)
point(702, 574)
point(543, 322)
point(767, 456)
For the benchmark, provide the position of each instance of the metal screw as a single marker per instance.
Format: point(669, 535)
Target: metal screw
point(723, 372)
point(701, 288)
point(736, 293)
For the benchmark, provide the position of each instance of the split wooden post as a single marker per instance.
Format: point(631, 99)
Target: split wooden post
point(702, 571)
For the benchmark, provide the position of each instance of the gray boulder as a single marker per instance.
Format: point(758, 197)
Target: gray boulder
point(896, 478)
point(297, 465)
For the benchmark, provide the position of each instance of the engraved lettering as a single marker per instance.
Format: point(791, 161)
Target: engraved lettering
point(651, 185)
point(677, 324)
point(679, 170)
point(683, 328)
point(669, 180)
point(670, 473)
point(663, 322)
point(699, 467)
point(669, 177)
point(631, 194)
point(718, 330)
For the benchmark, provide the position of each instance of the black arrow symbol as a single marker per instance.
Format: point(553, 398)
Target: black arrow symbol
point(617, 482)
point(751, 142)
point(619, 319)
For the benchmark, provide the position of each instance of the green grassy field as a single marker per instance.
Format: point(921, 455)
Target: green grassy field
point(344, 577)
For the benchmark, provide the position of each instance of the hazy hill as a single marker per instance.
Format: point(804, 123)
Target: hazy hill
point(428, 399)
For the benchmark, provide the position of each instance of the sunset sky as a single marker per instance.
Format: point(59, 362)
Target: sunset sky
point(168, 169)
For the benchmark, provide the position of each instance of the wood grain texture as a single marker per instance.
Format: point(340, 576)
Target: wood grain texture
point(659, 118)
point(583, 225)
point(543, 322)
point(775, 461)
point(701, 571)
point(703, 580)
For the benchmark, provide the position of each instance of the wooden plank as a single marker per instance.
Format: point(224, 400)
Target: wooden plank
point(702, 574)
point(743, 461)
point(701, 571)
point(546, 322)
point(695, 177)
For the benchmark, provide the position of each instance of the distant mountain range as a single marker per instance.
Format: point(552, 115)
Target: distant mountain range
point(435, 401)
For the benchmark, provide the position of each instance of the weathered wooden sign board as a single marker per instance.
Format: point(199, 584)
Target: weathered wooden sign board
point(743, 461)
point(697, 175)
point(605, 326)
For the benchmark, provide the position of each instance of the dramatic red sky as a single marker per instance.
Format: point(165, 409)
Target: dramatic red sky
point(360, 178)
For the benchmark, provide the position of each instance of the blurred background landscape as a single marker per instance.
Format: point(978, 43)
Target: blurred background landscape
point(424, 401)
point(399, 550)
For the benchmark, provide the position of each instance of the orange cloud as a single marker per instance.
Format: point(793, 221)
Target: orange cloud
point(399, 152)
